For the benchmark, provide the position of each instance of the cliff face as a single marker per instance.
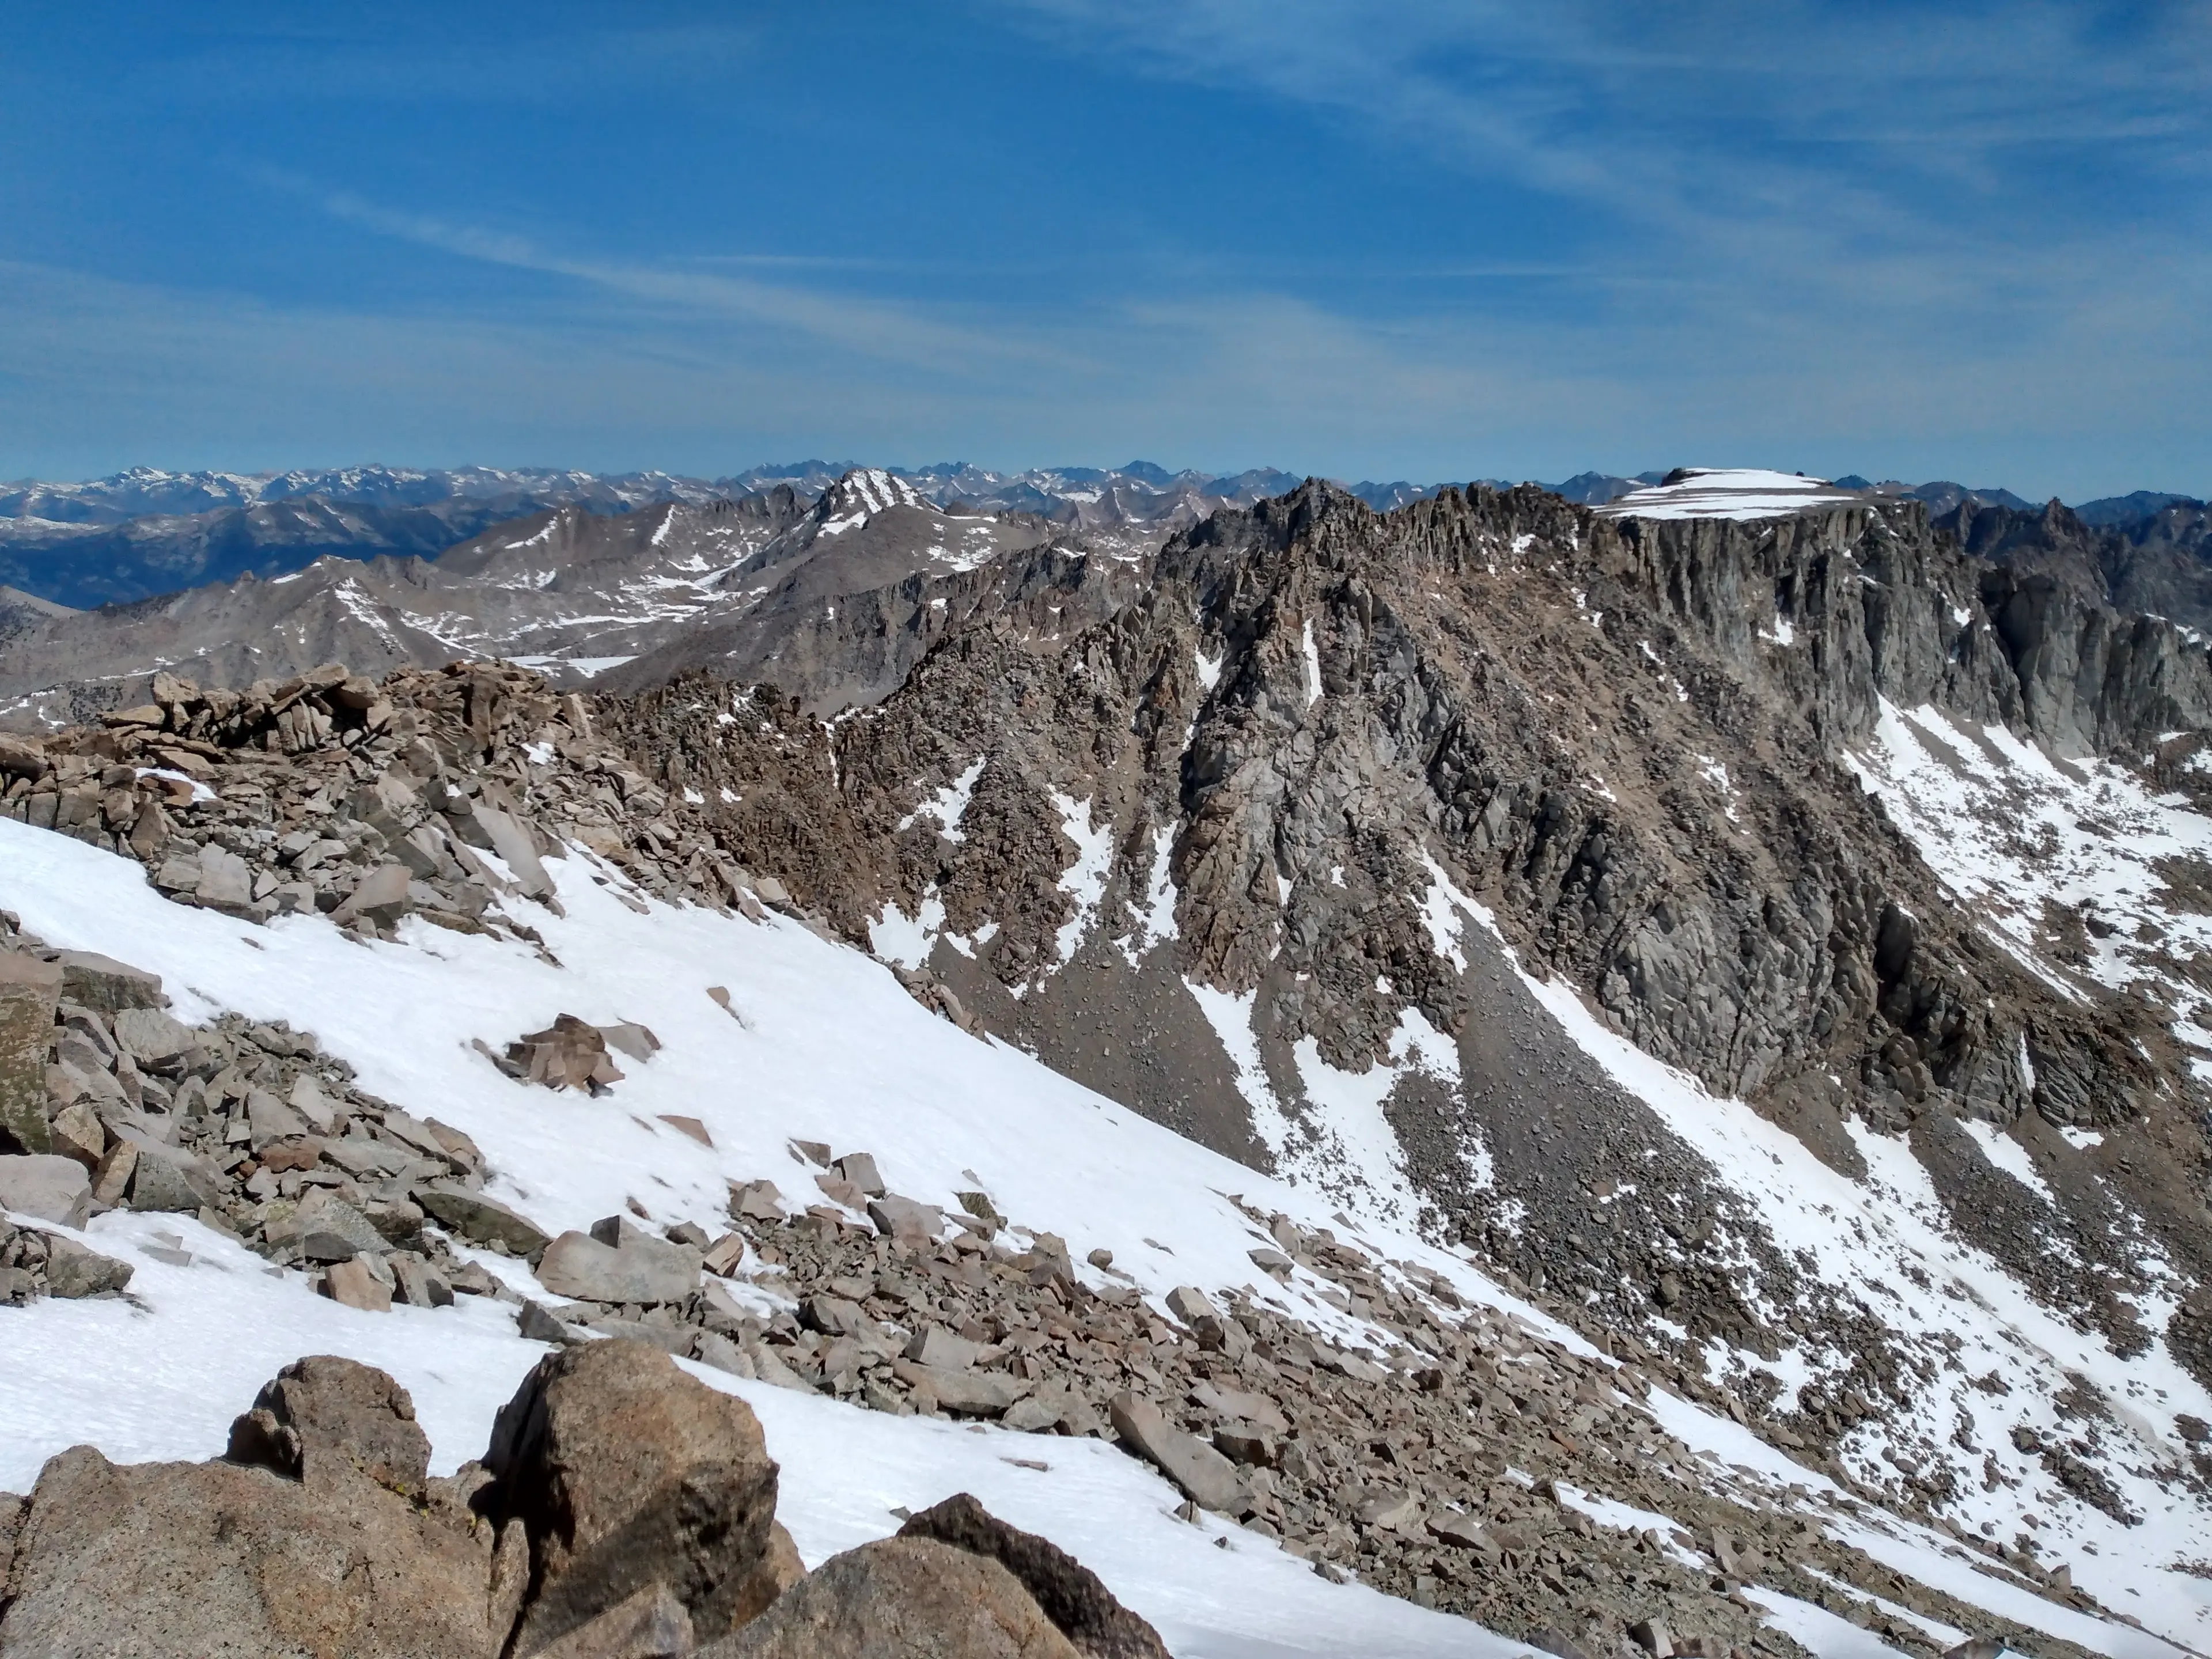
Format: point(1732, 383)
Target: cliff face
point(1231, 854)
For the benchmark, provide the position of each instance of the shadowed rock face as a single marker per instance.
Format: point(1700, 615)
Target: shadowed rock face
point(901, 1595)
point(626, 1472)
point(1627, 741)
point(1069, 1593)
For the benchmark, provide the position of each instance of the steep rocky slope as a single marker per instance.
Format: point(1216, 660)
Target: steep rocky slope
point(2157, 560)
point(1263, 851)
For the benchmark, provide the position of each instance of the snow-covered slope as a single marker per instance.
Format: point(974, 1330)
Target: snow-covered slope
point(820, 1042)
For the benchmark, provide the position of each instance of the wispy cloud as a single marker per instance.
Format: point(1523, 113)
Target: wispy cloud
point(890, 333)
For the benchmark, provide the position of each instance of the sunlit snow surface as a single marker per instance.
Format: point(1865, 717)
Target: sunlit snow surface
point(827, 1046)
point(2023, 836)
point(1729, 493)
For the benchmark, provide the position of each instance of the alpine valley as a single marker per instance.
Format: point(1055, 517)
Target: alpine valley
point(1617, 1069)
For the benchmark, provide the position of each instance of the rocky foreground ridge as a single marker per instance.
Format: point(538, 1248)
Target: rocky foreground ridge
point(621, 1508)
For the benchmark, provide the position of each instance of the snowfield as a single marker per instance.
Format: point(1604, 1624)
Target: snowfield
point(820, 1042)
point(1729, 493)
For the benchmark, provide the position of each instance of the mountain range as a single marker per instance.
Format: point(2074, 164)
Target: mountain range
point(144, 532)
point(1630, 1076)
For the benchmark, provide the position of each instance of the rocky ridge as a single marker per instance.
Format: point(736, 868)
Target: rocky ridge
point(1364, 1474)
point(621, 1508)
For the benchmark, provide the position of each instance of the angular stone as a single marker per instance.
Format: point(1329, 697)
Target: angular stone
point(1239, 1404)
point(326, 1228)
point(418, 1284)
point(73, 1271)
point(30, 990)
point(903, 1218)
point(481, 1219)
point(315, 1107)
point(1067, 1592)
point(168, 1179)
point(352, 1284)
point(1653, 1637)
point(534, 1323)
point(628, 1472)
point(225, 880)
point(152, 1039)
point(1248, 1443)
point(629, 1038)
point(722, 1256)
point(46, 1187)
point(1395, 1511)
point(177, 1560)
point(1463, 1530)
point(381, 895)
point(110, 1178)
point(77, 1132)
point(936, 1346)
point(324, 1409)
point(641, 1268)
point(859, 1169)
point(688, 1126)
point(512, 843)
point(1189, 1303)
point(1203, 1474)
point(93, 981)
point(651, 1624)
point(901, 1595)
point(966, 1394)
point(757, 1200)
point(269, 1119)
point(833, 1316)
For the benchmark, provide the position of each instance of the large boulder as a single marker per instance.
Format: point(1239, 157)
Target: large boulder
point(619, 1261)
point(323, 1411)
point(484, 1220)
point(629, 1472)
point(97, 981)
point(46, 1187)
point(29, 991)
point(901, 1596)
point(1072, 1596)
point(182, 1560)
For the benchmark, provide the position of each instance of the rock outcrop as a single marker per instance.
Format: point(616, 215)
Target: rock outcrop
point(624, 1509)
point(901, 1595)
point(628, 1473)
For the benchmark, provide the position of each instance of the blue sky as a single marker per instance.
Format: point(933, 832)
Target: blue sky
point(1425, 240)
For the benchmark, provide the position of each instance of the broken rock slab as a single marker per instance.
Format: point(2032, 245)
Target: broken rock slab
point(1203, 1474)
point(964, 1393)
point(482, 1221)
point(46, 1187)
point(30, 991)
point(617, 1261)
point(93, 981)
